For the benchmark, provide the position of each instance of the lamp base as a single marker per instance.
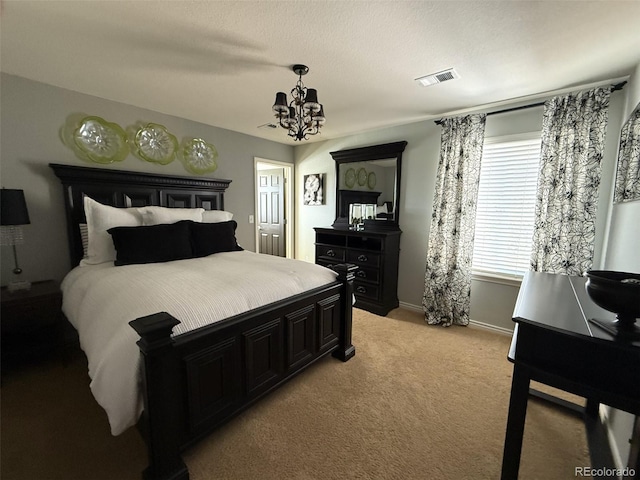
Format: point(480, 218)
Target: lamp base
point(18, 285)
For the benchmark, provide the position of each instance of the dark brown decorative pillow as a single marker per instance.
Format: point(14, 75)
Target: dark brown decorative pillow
point(210, 238)
point(152, 244)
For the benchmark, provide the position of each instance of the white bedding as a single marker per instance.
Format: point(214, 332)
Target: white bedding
point(100, 300)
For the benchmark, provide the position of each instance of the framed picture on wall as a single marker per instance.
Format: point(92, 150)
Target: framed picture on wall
point(314, 189)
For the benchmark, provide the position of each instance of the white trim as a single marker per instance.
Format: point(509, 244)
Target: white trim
point(289, 172)
point(603, 411)
point(472, 323)
point(497, 278)
point(491, 328)
point(411, 306)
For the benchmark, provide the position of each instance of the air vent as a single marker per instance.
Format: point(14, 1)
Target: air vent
point(439, 77)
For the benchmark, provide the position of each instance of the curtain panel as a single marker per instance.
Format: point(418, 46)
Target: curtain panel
point(573, 133)
point(447, 284)
point(628, 172)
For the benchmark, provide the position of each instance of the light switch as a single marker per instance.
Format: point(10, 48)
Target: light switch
point(250, 218)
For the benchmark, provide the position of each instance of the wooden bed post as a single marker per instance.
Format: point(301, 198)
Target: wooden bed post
point(162, 404)
point(346, 275)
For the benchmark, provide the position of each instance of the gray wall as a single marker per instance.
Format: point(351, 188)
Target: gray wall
point(32, 114)
point(491, 303)
point(623, 254)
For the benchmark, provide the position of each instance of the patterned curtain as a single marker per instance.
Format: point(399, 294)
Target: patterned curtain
point(573, 131)
point(447, 280)
point(628, 173)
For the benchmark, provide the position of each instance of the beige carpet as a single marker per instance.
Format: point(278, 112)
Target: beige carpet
point(416, 402)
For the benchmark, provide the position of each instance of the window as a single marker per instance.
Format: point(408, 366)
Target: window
point(506, 205)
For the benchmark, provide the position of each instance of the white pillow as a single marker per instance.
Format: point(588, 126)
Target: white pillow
point(156, 215)
point(84, 235)
point(101, 218)
point(216, 216)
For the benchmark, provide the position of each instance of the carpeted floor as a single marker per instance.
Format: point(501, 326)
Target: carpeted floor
point(416, 402)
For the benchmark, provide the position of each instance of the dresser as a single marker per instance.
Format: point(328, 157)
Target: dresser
point(375, 253)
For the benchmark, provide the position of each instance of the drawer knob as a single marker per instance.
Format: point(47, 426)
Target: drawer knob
point(361, 274)
point(361, 289)
point(362, 258)
point(331, 253)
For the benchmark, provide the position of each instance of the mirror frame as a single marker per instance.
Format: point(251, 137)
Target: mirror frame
point(363, 154)
point(627, 186)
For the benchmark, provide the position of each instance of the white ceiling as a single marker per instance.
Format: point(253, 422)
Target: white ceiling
point(221, 62)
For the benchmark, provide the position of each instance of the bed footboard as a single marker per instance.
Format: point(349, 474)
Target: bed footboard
point(195, 382)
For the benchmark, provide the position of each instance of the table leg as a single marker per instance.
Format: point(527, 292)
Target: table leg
point(515, 423)
point(592, 408)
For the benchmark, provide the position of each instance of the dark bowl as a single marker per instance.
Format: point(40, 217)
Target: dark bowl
point(618, 292)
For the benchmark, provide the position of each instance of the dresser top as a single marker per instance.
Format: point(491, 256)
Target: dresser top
point(357, 233)
point(38, 289)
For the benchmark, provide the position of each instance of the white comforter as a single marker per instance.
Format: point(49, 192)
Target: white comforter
point(100, 300)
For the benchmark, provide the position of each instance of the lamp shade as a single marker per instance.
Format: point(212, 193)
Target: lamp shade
point(311, 100)
point(311, 97)
point(280, 105)
point(13, 207)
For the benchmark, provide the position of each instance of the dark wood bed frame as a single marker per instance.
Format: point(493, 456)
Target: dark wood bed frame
point(196, 381)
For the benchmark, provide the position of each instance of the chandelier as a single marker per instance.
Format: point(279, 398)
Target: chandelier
point(304, 115)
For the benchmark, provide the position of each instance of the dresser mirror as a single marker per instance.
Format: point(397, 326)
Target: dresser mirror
point(628, 169)
point(369, 176)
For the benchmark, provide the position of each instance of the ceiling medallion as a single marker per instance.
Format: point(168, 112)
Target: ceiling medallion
point(304, 116)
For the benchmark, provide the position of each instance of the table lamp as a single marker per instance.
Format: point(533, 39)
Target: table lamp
point(13, 214)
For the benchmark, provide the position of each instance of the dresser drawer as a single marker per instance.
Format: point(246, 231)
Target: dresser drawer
point(365, 290)
point(326, 263)
point(369, 274)
point(363, 258)
point(329, 252)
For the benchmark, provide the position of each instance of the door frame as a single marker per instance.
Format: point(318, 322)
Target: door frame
point(263, 164)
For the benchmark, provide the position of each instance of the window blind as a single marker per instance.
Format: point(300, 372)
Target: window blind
point(506, 205)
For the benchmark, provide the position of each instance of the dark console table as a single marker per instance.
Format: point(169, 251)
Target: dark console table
point(555, 344)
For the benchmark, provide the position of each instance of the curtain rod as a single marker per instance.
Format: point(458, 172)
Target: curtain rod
point(617, 86)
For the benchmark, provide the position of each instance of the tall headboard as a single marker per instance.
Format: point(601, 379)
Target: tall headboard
point(120, 188)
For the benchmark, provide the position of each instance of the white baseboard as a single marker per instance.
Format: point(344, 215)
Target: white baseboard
point(472, 323)
point(603, 411)
point(410, 306)
point(492, 328)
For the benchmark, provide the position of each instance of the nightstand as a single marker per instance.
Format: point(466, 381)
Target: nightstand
point(32, 322)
